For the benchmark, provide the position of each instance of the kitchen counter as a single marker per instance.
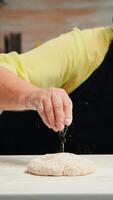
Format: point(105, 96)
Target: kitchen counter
point(18, 185)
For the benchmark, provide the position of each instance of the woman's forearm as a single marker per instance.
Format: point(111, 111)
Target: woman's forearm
point(13, 91)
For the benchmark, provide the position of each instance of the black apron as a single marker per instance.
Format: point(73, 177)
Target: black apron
point(90, 133)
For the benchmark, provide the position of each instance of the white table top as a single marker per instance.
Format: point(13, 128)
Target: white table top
point(16, 184)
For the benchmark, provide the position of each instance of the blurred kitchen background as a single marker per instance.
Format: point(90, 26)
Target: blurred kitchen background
point(25, 24)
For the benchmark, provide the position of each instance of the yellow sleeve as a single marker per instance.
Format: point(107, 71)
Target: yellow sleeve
point(93, 45)
point(65, 61)
point(12, 62)
point(53, 63)
point(68, 60)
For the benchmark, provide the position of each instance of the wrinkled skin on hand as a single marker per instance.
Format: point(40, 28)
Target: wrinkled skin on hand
point(53, 105)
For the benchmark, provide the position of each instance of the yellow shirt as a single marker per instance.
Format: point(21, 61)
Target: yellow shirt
point(65, 62)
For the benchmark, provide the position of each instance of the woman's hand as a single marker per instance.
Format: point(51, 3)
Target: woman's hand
point(53, 105)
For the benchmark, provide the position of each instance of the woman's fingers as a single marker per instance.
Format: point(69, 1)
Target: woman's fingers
point(58, 111)
point(39, 106)
point(62, 105)
point(67, 105)
point(54, 107)
point(41, 101)
point(49, 111)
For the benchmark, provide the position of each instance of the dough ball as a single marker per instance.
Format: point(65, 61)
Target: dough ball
point(60, 164)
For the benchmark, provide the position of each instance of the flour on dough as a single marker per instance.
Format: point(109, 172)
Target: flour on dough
point(60, 164)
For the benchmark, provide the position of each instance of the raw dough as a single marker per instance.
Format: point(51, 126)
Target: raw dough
point(60, 164)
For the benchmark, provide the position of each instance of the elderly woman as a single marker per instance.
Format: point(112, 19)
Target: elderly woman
point(66, 80)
